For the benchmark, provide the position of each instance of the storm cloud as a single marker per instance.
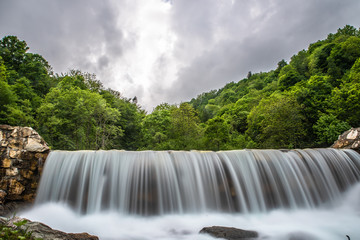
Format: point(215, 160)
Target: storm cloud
point(171, 51)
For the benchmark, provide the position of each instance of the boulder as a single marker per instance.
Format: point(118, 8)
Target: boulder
point(42, 231)
point(349, 140)
point(229, 233)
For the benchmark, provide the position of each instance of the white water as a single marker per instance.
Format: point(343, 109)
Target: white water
point(282, 195)
point(322, 223)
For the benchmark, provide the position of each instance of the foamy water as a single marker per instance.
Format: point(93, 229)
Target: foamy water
point(322, 223)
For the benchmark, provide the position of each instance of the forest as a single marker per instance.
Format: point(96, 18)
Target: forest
point(306, 102)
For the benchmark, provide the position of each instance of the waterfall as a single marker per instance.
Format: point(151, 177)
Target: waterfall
point(164, 182)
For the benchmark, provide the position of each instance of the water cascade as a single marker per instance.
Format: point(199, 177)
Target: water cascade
point(179, 182)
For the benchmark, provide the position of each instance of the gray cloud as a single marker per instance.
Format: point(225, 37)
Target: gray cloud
point(217, 41)
point(256, 35)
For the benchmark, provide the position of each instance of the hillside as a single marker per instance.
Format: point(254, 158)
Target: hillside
point(304, 103)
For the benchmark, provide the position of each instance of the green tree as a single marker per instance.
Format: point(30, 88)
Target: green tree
point(318, 60)
point(12, 50)
point(185, 132)
point(288, 77)
point(156, 128)
point(276, 122)
point(345, 103)
point(313, 95)
point(343, 56)
point(217, 133)
point(73, 118)
point(328, 128)
point(7, 96)
point(129, 121)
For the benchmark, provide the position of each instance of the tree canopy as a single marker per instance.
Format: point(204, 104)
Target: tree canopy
point(306, 102)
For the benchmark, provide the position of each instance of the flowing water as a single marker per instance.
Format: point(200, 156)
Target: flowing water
point(297, 194)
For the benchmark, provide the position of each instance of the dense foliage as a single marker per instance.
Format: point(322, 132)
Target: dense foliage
point(307, 102)
point(71, 111)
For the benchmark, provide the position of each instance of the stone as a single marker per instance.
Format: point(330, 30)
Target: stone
point(29, 197)
point(26, 174)
point(15, 133)
point(27, 132)
point(229, 233)
point(6, 163)
point(6, 127)
point(34, 165)
point(2, 196)
point(352, 135)
point(4, 184)
point(34, 145)
point(40, 230)
point(349, 140)
point(15, 188)
point(34, 185)
point(12, 172)
point(15, 143)
point(14, 153)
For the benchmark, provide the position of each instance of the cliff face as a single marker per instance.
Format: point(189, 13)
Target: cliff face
point(22, 156)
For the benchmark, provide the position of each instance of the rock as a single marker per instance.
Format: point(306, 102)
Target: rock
point(6, 127)
point(12, 172)
point(40, 230)
point(14, 153)
point(22, 156)
point(349, 140)
point(2, 196)
point(15, 187)
point(27, 132)
point(6, 163)
point(229, 233)
point(34, 145)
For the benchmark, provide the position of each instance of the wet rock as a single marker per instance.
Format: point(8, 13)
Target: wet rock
point(229, 233)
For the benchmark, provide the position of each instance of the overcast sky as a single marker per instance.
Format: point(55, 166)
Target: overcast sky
point(171, 51)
